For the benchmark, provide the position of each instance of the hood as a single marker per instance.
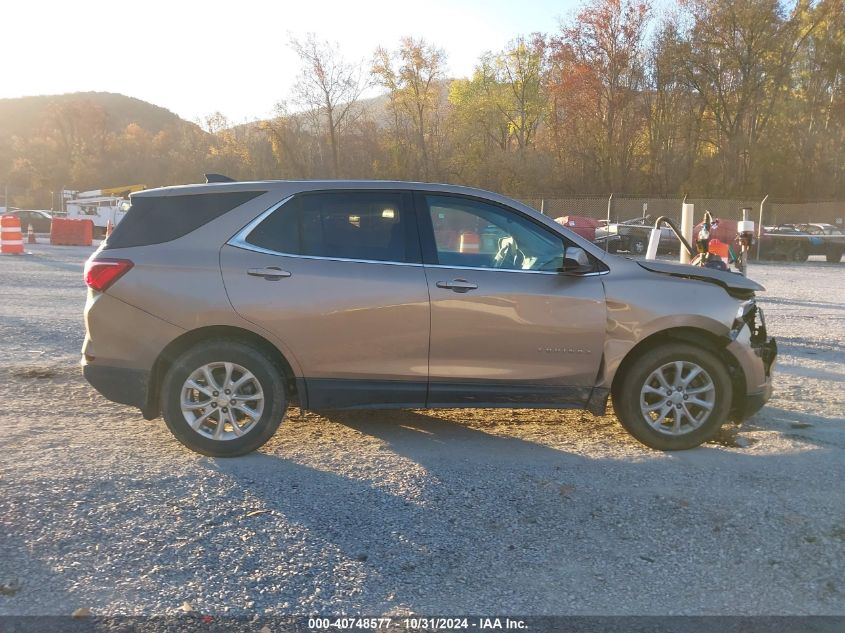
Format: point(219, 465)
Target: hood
point(734, 283)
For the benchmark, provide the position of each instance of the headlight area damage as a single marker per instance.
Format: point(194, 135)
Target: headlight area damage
point(749, 343)
point(750, 315)
point(739, 287)
point(736, 285)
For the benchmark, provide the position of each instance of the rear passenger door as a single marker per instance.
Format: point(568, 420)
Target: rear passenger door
point(337, 276)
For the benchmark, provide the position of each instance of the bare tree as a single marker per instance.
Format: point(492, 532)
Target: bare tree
point(329, 87)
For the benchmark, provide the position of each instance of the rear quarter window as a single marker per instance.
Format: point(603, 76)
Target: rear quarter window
point(157, 219)
point(359, 225)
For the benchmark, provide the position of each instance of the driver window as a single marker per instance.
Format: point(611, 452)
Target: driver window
point(479, 235)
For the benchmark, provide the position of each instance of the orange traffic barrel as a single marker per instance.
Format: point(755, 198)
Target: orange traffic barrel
point(718, 247)
point(469, 242)
point(11, 240)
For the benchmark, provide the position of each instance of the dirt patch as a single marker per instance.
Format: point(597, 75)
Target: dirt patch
point(729, 436)
point(34, 372)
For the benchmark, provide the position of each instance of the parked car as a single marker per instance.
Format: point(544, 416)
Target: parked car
point(40, 220)
point(218, 305)
point(582, 225)
point(633, 236)
point(781, 242)
point(784, 241)
point(831, 237)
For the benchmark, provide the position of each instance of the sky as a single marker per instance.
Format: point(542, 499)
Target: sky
point(195, 58)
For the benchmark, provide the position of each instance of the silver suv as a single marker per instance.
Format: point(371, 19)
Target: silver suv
point(217, 305)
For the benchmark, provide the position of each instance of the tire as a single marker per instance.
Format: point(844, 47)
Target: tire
point(833, 256)
point(638, 246)
point(219, 357)
point(799, 254)
point(629, 396)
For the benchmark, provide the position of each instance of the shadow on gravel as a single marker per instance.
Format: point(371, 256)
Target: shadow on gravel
point(442, 545)
point(806, 345)
point(27, 586)
point(819, 430)
point(816, 305)
point(810, 372)
point(501, 520)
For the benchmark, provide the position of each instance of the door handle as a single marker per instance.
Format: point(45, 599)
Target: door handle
point(457, 285)
point(270, 273)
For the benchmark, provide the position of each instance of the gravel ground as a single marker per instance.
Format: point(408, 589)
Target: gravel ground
point(435, 512)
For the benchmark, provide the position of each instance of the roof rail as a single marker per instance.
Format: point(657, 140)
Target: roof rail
point(209, 178)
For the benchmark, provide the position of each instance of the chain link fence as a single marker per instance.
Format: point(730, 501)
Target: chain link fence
point(618, 207)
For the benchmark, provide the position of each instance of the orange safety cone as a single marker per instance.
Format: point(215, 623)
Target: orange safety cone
point(11, 240)
point(30, 235)
point(109, 228)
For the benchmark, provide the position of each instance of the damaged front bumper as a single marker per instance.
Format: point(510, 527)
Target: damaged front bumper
point(768, 352)
point(755, 352)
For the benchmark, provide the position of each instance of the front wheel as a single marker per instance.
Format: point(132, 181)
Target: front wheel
point(223, 398)
point(673, 397)
point(833, 256)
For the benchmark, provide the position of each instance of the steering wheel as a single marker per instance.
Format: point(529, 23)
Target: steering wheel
point(509, 255)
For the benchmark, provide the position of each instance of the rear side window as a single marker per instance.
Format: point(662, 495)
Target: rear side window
point(368, 225)
point(157, 219)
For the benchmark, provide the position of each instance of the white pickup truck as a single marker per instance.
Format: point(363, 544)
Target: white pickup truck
point(101, 206)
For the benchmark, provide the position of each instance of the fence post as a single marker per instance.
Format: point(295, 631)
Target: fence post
point(543, 206)
point(687, 225)
point(760, 226)
point(607, 229)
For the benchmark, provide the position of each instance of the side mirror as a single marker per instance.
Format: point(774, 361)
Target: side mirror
point(576, 261)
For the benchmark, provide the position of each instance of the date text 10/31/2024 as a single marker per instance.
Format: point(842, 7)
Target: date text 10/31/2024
point(416, 623)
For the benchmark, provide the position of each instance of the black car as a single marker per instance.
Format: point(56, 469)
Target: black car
point(40, 220)
point(633, 236)
point(785, 241)
point(832, 238)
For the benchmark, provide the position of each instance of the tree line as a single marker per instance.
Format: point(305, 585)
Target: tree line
point(710, 97)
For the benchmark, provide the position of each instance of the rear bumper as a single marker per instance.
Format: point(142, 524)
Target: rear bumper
point(119, 384)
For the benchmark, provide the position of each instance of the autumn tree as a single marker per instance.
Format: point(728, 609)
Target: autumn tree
point(737, 59)
point(413, 76)
point(805, 148)
point(228, 149)
point(720, 98)
point(599, 73)
point(498, 112)
point(673, 115)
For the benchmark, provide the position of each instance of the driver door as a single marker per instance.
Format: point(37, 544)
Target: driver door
point(506, 327)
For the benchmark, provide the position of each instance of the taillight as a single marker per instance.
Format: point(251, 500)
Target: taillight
point(100, 274)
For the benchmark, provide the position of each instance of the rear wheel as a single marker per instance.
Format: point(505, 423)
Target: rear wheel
point(673, 397)
point(799, 254)
point(223, 398)
point(638, 246)
point(833, 256)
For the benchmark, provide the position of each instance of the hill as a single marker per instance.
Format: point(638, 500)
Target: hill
point(23, 116)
